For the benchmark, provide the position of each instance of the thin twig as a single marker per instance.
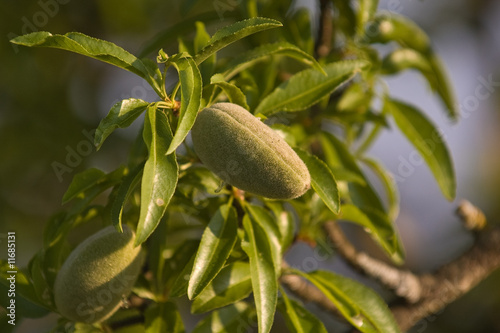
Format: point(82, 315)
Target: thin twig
point(325, 30)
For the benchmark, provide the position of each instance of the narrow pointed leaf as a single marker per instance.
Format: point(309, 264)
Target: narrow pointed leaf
point(232, 284)
point(234, 32)
point(160, 174)
point(360, 305)
point(309, 86)
point(431, 67)
point(261, 216)
point(298, 319)
point(190, 78)
point(263, 274)
point(363, 195)
point(128, 184)
point(233, 318)
point(249, 58)
point(322, 180)
point(426, 138)
point(91, 47)
point(389, 184)
point(217, 241)
point(83, 181)
point(201, 39)
point(121, 115)
point(376, 224)
point(233, 93)
point(164, 318)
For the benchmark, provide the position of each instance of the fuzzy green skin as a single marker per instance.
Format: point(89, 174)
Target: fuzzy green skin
point(246, 153)
point(97, 274)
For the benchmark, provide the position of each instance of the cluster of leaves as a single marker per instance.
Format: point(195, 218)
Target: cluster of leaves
point(217, 244)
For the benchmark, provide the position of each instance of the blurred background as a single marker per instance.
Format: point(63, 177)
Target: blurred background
point(50, 100)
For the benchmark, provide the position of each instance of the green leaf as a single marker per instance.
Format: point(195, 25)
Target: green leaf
point(393, 27)
point(285, 222)
point(82, 182)
point(367, 9)
point(127, 186)
point(389, 184)
point(337, 155)
point(427, 139)
point(160, 174)
point(163, 318)
point(190, 79)
point(363, 195)
point(121, 115)
point(233, 93)
point(322, 180)
point(180, 284)
point(217, 241)
point(298, 319)
point(430, 66)
point(26, 303)
point(263, 274)
point(379, 228)
point(92, 47)
point(201, 39)
point(233, 318)
point(261, 216)
point(309, 86)
point(251, 57)
point(360, 305)
point(232, 284)
point(234, 32)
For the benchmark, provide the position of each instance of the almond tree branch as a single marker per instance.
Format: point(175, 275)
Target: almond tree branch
point(424, 294)
point(325, 30)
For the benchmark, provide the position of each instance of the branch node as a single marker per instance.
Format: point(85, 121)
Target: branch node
point(472, 216)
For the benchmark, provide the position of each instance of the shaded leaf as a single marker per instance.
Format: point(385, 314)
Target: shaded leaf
point(160, 174)
point(427, 139)
point(238, 317)
point(127, 186)
point(298, 319)
point(121, 115)
point(216, 244)
point(232, 284)
point(190, 79)
point(309, 86)
point(377, 225)
point(322, 180)
point(233, 93)
point(249, 58)
point(234, 32)
point(163, 318)
point(389, 183)
point(82, 182)
point(360, 305)
point(263, 274)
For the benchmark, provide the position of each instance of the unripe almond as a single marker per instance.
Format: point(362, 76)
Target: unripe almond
point(246, 153)
point(97, 275)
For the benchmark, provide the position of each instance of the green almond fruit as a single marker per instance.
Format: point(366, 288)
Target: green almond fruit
point(246, 153)
point(97, 275)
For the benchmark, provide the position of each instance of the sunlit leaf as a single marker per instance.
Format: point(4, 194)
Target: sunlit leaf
point(263, 274)
point(233, 318)
point(92, 47)
point(160, 174)
point(232, 284)
point(322, 180)
point(428, 140)
point(190, 79)
point(121, 115)
point(234, 32)
point(360, 305)
point(83, 181)
point(309, 86)
point(233, 93)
